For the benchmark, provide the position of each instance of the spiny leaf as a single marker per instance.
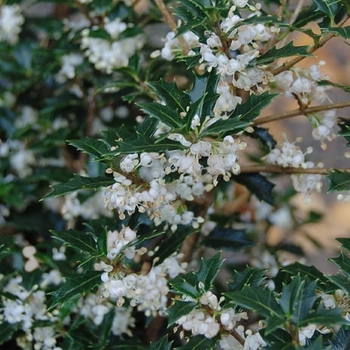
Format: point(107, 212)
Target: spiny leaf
point(78, 240)
point(79, 183)
point(286, 51)
point(338, 181)
point(7, 330)
point(208, 270)
point(342, 340)
point(328, 7)
point(186, 285)
point(178, 309)
point(343, 31)
point(258, 185)
point(74, 287)
point(171, 95)
point(90, 146)
point(345, 88)
point(227, 239)
point(249, 277)
point(343, 262)
point(262, 301)
point(341, 281)
point(324, 317)
point(161, 344)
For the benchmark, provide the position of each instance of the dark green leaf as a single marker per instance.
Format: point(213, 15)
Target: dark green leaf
point(198, 343)
point(104, 329)
point(161, 344)
point(258, 185)
point(317, 344)
point(78, 183)
point(171, 95)
point(286, 51)
point(345, 243)
point(186, 285)
point(96, 148)
point(204, 89)
point(260, 300)
point(324, 317)
point(179, 309)
point(343, 262)
point(328, 7)
point(7, 330)
point(341, 281)
point(345, 88)
point(227, 239)
point(264, 137)
point(164, 114)
point(30, 279)
point(344, 126)
point(75, 287)
point(342, 340)
point(208, 270)
point(338, 180)
point(78, 240)
point(249, 277)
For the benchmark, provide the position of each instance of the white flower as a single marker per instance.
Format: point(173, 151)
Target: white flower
point(11, 21)
point(240, 3)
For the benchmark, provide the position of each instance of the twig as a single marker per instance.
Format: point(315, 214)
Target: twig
point(276, 169)
point(171, 23)
point(298, 112)
point(323, 40)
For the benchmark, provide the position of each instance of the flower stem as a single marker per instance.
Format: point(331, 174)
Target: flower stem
point(299, 111)
point(276, 169)
point(171, 23)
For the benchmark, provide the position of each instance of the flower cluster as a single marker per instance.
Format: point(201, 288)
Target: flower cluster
point(11, 20)
point(146, 290)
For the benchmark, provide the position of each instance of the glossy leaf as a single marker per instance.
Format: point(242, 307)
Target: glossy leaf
point(178, 309)
point(7, 330)
point(75, 287)
point(341, 281)
point(227, 239)
point(248, 277)
point(208, 270)
point(258, 185)
point(186, 285)
point(338, 181)
point(96, 148)
point(343, 262)
point(79, 183)
point(342, 340)
point(198, 343)
point(82, 241)
point(161, 344)
point(324, 317)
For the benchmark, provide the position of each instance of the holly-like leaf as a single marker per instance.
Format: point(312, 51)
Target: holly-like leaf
point(286, 51)
point(264, 137)
point(344, 126)
point(345, 88)
point(79, 183)
point(328, 7)
point(186, 285)
point(7, 330)
point(345, 243)
point(82, 241)
point(258, 185)
point(260, 300)
point(343, 262)
point(198, 343)
point(208, 270)
point(298, 298)
point(161, 344)
point(96, 148)
point(204, 89)
point(178, 309)
point(338, 180)
point(324, 317)
point(104, 330)
point(342, 340)
point(75, 287)
point(227, 239)
point(249, 277)
point(341, 281)
point(171, 95)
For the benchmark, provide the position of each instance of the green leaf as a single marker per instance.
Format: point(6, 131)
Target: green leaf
point(286, 51)
point(324, 317)
point(298, 298)
point(7, 330)
point(178, 309)
point(227, 239)
point(264, 137)
point(317, 344)
point(341, 281)
point(328, 8)
point(258, 185)
point(345, 243)
point(78, 240)
point(345, 88)
point(260, 300)
point(96, 148)
point(186, 285)
point(338, 180)
point(343, 32)
point(344, 126)
point(249, 277)
point(104, 329)
point(343, 262)
point(78, 183)
point(204, 89)
point(342, 340)
point(198, 343)
point(208, 270)
point(242, 116)
point(161, 344)
point(171, 95)
point(75, 287)
point(164, 114)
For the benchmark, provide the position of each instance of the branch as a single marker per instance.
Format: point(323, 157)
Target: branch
point(171, 23)
point(276, 169)
point(299, 111)
point(323, 40)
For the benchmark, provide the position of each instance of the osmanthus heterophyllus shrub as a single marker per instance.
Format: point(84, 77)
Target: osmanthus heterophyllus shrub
point(148, 121)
